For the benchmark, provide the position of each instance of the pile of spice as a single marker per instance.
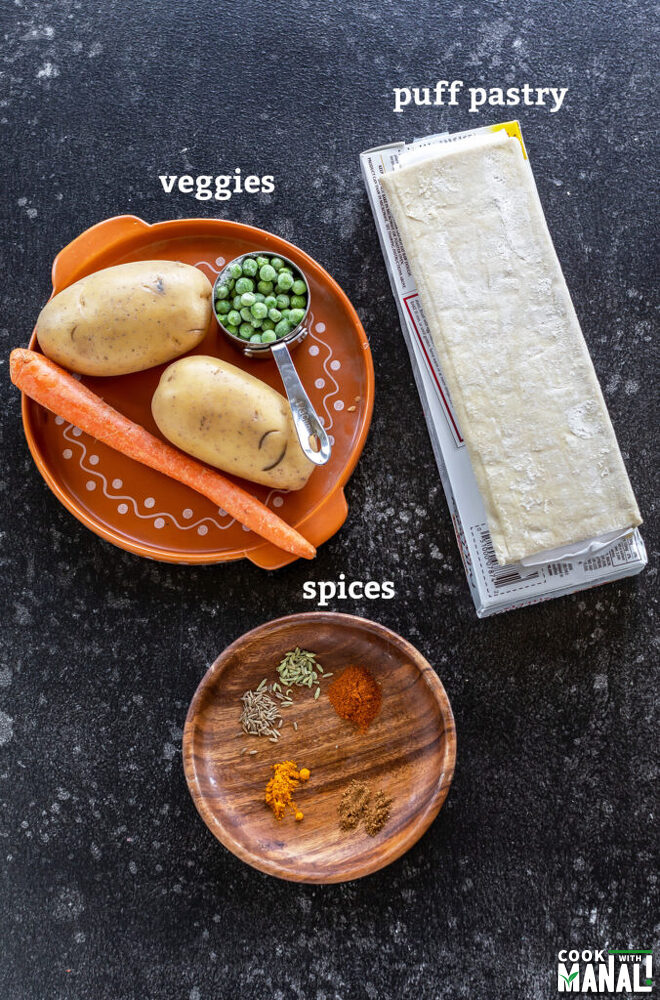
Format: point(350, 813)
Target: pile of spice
point(299, 668)
point(261, 714)
point(355, 696)
point(359, 805)
point(280, 788)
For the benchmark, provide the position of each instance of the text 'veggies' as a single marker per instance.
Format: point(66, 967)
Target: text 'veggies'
point(220, 187)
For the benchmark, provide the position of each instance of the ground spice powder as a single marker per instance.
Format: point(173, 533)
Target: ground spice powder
point(280, 788)
point(355, 696)
point(357, 806)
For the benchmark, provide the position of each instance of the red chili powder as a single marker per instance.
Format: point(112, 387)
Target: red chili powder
point(355, 696)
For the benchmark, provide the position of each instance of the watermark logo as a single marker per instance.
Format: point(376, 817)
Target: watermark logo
point(611, 972)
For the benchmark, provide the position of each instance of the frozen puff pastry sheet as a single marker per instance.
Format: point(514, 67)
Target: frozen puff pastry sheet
point(518, 370)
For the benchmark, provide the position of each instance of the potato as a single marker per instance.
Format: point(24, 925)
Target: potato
point(231, 420)
point(126, 318)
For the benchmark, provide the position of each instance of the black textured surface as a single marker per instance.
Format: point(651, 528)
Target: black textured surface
point(112, 887)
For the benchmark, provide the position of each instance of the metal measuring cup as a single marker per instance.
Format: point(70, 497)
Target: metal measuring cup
point(309, 428)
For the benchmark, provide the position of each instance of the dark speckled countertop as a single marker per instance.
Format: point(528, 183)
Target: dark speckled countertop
point(112, 887)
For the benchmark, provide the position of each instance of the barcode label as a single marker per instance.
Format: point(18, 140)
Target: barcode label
point(500, 577)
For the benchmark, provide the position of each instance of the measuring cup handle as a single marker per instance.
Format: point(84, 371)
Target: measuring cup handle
point(305, 418)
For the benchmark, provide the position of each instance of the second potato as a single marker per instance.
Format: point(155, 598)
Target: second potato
point(231, 420)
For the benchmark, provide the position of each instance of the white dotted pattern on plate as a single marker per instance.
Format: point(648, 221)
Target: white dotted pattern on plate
point(145, 508)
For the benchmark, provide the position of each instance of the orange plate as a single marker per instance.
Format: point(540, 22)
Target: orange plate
point(146, 512)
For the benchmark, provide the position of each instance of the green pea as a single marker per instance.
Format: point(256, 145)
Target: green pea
point(222, 291)
point(245, 331)
point(234, 317)
point(269, 337)
point(262, 261)
point(268, 324)
point(298, 301)
point(284, 280)
point(243, 285)
point(222, 306)
point(236, 302)
point(259, 297)
point(267, 273)
point(283, 301)
point(246, 314)
point(250, 266)
point(299, 287)
point(296, 316)
point(236, 269)
point(276, 263)
point(266, 287)
point(248, 299)
point(282, 328)
point(232, 328)
point(259, 310)
point(270, 301)
point(255, 338)
point(275, 315)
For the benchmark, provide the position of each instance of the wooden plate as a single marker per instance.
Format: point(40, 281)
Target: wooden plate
point(409, 750)
point(145, 512)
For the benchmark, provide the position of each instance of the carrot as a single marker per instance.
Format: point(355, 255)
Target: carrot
point(58, 391)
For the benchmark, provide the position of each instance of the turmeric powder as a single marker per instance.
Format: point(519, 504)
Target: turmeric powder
point(280, 788)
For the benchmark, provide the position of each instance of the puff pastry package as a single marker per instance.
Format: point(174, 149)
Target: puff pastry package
point(498, 320)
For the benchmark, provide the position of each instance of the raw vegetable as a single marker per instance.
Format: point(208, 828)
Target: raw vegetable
point(232, 420)
point(58, 391)
point(285, 280)
point(127, 318)
point(269, 310)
